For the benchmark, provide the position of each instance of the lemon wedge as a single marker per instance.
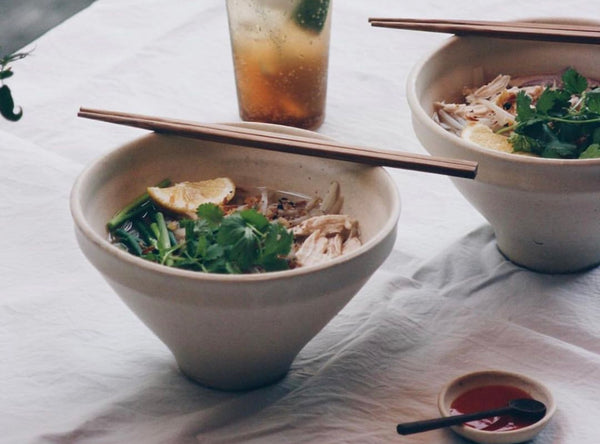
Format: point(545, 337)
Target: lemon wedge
point(185, 197)
point(483, 136)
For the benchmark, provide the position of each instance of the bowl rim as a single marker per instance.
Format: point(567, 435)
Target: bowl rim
point(510, 435)
point(419, 112)
point(86, 229)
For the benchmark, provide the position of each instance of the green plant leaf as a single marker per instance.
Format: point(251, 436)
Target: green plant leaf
point(591, 152)
point(596, 135)
point(574, 83)
point(559, 149)
point(6, 74)
point(525, 144)
point(211, 213)
point(254, 218)
point(240, 241)
point(7, 105)
point(278, 241)
point(552, 100)
point(5, 60)
point(592, 101)
point(524, 110)
point(273, 263)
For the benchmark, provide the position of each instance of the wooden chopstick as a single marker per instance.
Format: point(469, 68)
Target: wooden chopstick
point(287, 143)
point(524, 24)
point(519, 30)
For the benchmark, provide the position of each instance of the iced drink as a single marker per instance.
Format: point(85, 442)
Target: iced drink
point(280, 54)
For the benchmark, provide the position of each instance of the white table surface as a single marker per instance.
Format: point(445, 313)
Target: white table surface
point(79, 367)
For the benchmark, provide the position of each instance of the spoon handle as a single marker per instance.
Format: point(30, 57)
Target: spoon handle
point(408, 428)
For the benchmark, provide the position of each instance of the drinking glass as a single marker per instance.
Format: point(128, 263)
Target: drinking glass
point(280, 55)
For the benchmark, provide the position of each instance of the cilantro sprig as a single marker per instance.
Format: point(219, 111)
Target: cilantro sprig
point(241, 242)
point(563, 123)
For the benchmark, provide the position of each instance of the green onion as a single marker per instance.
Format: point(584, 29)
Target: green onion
point(130, 241)
point(164, 242)
point(134, 208)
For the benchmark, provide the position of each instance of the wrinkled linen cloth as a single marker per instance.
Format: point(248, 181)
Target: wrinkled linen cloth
point(79, 367)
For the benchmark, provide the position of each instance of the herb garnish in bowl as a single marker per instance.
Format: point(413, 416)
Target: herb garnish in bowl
point(563, 123)
point(207, 226)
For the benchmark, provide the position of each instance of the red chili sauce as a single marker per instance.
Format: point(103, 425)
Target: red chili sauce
point(491, 397)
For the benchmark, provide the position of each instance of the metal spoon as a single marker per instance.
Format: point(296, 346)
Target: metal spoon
point(523, 408)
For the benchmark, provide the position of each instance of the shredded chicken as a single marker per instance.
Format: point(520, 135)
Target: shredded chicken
point(492, 104)
point(320, 232)
point(329, 224)
point(326, 237)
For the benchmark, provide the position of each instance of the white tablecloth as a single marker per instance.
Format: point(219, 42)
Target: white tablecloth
point(78, 367)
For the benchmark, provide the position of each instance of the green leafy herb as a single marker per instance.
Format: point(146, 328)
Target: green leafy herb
point(525, 111)
point(592, 101)
point(553, 101)
point(574, 83)
point(241, 242)
point(563, 123)
point(591, 152)
point(312, 14)
point(276, 246)
point(7, 104)
point(211, 213)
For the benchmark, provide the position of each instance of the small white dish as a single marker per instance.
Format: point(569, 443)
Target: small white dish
point(470, 381)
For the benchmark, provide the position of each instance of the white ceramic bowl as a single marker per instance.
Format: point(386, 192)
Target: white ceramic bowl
point(232, 332)
point(470, 381)
point(545, 212)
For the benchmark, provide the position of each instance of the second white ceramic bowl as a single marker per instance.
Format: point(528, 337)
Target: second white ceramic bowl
point(545, 212)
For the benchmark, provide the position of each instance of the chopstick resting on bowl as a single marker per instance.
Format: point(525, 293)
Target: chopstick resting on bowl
point(556, 32)
point(287, 143)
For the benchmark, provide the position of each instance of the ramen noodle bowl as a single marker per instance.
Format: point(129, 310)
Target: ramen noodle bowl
point(234, 331)
point(543, 211)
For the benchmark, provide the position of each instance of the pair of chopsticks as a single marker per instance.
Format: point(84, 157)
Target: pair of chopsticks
point(287, 143)
point(556, 32)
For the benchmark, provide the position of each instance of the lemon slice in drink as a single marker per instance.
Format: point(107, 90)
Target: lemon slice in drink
point(483, 136)
point(185, 197)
